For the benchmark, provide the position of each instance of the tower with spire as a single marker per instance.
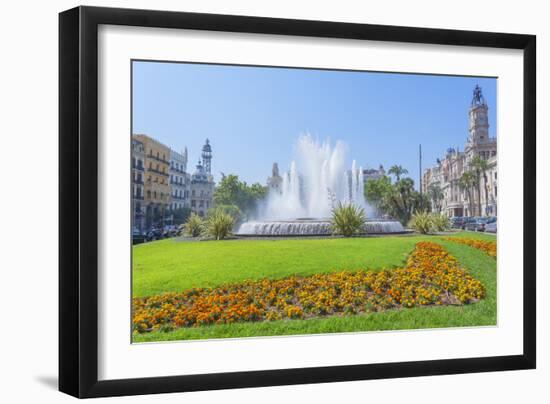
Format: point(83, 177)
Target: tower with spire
point(275, 181)
point(202, 182)
point(207, 157)
point(479, 123)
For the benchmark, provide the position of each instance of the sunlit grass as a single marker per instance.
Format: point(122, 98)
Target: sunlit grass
point(172, 266)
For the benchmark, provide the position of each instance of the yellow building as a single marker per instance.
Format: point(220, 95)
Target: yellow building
point(157, 184)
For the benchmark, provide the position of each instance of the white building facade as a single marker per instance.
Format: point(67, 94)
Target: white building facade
point(180, 180)
point(456, 198)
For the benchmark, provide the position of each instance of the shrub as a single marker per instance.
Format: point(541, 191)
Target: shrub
point(218, 225)
point(440, 222)
point(348, 219)
point(422, 222)
point(194, 225)
point(231, 210)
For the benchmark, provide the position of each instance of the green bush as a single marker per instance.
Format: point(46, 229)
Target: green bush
point(194, 225)
point(440, 222)
point(218, 225)
point(422, 222)
point(231, 210)
point(348, 219)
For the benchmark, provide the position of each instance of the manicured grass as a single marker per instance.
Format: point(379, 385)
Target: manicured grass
point(475, 235)
point(173, 266)
point(213, 263)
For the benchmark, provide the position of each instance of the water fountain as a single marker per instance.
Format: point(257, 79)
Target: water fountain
point(315, 182)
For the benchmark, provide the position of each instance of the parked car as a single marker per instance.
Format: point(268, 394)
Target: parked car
point(153, 234)
point(478, 224)
point(137, 236)
point(468, 221)
point(491, 227)
point(457, 222)
point(170, 231)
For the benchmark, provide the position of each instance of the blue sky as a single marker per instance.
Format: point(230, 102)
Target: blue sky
point(253, 115)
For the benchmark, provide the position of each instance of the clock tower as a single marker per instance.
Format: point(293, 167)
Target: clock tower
point(479, 124)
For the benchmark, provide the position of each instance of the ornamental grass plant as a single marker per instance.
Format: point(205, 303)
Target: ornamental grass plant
point(440, 222)
point(348, 219)
point(218, 225)
point(421, 222)
point(194, 225)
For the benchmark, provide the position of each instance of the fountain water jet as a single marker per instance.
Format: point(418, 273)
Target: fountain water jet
point(316, 180)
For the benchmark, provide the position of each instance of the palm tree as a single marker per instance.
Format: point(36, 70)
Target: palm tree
point(466, 182)
point(436, 195)
point(480, 168)
point(398, 171)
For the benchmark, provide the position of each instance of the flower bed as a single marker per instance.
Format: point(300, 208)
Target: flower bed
point(431, 277)
point(488, 247)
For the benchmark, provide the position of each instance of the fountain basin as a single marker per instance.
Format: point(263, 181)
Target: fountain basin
point(311, 227)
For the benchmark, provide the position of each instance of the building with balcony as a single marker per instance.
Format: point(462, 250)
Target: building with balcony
point(458, 197)
point(156, 180)
point(180, 181)
point(138, 195)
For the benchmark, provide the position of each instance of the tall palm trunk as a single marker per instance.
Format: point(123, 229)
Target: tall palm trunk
point(486, 191)
point(479, 195)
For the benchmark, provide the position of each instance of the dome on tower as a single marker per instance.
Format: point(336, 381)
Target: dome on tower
point(199, 175)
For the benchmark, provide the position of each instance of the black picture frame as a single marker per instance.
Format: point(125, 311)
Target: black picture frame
point(78, 201)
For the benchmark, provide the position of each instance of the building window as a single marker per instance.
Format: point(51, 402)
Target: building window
point(193, 204)
point(148, 194)
point(193, 193)
point(155, 194)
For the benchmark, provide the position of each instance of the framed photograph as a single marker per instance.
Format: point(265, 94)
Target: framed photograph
point(251, 201)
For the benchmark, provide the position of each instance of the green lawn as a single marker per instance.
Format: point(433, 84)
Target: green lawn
point(171, 266)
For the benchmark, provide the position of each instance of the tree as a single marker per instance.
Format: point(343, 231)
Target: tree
point(480, 167)
point(376, 189)
point(435, 193)
point(232, 191)
point(398, 200)
point(398, 171)
point(466, 182)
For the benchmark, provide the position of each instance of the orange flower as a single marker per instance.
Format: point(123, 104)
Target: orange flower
point(431, 277)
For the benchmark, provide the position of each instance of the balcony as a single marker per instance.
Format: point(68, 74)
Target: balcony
point(158, 159)
point(153, 170)
point(138, 167)
point(177, 170)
